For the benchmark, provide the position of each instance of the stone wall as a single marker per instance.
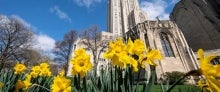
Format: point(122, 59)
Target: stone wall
point(199, 23)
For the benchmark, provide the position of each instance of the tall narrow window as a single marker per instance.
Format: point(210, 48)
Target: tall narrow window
point(167, 48)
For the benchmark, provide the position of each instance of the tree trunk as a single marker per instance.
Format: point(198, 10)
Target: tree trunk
point(95, 64)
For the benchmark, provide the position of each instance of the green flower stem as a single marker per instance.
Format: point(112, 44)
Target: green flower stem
point(176, 83)
point(131, 78)
point(139, 72)
point(111, 80)
point(152, 78)
point(120, 80)
point(33, 85)
point(84, 84)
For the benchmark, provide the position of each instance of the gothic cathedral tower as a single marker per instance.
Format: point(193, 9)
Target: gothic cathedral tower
point(122, 16)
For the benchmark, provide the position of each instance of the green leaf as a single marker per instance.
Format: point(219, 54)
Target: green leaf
point(74, 89)
point(161, 86)
point(151, 80)
point(123, 88)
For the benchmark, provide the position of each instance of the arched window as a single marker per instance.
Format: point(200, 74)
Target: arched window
point(167, 48)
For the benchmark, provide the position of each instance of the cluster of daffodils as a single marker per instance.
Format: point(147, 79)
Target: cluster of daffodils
point(81, 63)
point(121, 54)
point(40, 70)
point(210, 71)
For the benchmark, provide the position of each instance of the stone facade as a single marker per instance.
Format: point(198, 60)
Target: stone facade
point(165, 36)
point(122, 15)
point(199, 20)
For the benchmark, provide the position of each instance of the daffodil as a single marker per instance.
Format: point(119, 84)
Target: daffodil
point(44, 65)
point(149, 58)
point(61, 84)
point(27, 81)
point(81, 63)
point(130, 46)
point(35, 71)
point(19, 68)
point(40, 70)
point(19, 85)
point(118, 52)
point(136, 48)
point(61, 73)
point(213, 83)
point(45, 72)
point(115, 48)
point(206, 67)
point(23, 84)
point(209, 71)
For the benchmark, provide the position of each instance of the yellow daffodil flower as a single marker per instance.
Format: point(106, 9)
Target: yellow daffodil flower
point(206, 67)
point(130, 46)
point(35, 71)
point(136, 48)
point(118, 53)
point(19, 68)
point(61, 84)
point(19, 85)
point(23, 84)
point(213, 83)
point(44, 65)
point(209, 71)
point(61, 73)
point(45, 72)
point(27, 81)
point(149, 58)
point(81, 63)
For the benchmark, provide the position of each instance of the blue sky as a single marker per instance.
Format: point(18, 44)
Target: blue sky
point(55, 17)
point(51, 19)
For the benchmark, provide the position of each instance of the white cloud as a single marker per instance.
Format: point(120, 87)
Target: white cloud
point(61, 14)
point(154, 9)
point(87, 3)
point(44, 43)
point(19, 19)
point(5, 21)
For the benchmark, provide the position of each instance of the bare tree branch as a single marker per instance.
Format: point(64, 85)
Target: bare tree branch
point(64, 48)
point(15, 37)
point(94, 43)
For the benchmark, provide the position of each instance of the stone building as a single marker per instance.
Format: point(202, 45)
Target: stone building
point(126, 19)
point(199, 20)
point(122, 15)
point(165, 36)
